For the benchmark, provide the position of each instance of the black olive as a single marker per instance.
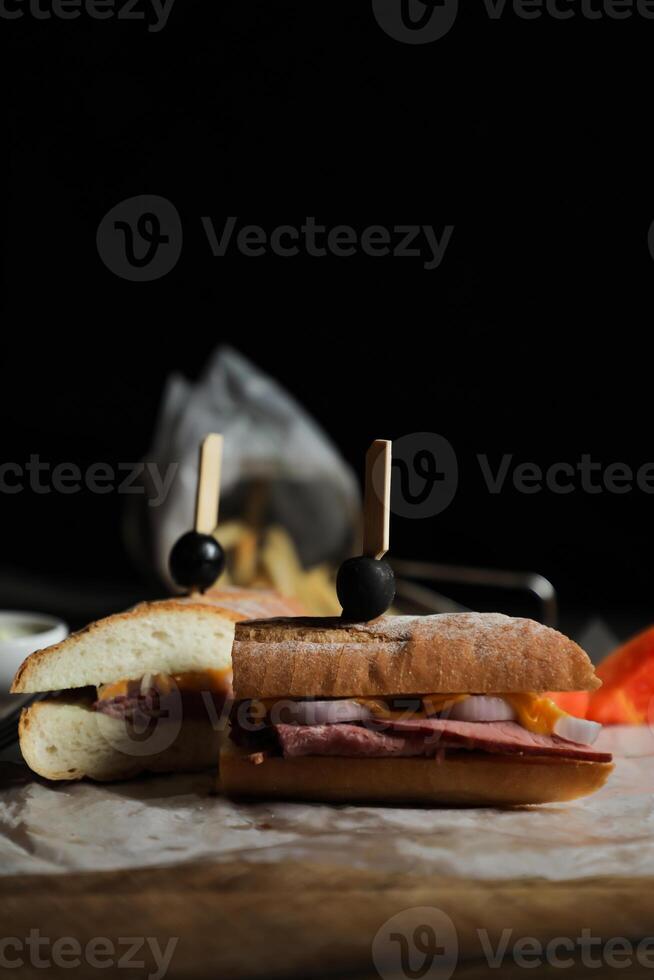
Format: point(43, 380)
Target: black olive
point(196, 561)
point(365, 588)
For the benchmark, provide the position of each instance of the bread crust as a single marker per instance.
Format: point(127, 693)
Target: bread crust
point(230, 605)
point(239, 604)
point(449, 653)
point(460, 779)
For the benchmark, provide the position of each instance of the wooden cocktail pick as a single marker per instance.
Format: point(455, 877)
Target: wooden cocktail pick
point(377, 499)
point(366, 585)
point(197, 560)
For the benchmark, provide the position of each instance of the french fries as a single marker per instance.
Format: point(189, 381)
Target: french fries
point(266, 557)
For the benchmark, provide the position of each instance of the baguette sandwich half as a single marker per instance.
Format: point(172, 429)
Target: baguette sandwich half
point(142, 690)
point(444, 709)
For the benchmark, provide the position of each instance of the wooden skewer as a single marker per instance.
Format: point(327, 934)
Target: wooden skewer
point(377, 499)
point(207, 496)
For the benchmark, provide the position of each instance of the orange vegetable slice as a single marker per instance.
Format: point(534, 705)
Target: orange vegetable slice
point(572, 702)
point(627, 693)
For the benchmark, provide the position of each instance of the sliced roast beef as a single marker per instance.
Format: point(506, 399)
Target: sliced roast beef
point(348, 740)
point(497, 736)
point(124, 706)
point(426, 737)
point(171, 706)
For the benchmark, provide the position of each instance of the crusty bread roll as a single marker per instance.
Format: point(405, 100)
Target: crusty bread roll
point(63, 739)
point(448, 653)
point(170, 637)
point(460, 779)
point(462, 653)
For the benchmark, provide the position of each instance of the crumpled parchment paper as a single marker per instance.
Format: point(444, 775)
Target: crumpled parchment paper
point(175, 819)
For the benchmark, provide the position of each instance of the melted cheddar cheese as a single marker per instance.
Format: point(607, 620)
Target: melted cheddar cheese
point(534, 712)
point(431, 705)
point(189, 682)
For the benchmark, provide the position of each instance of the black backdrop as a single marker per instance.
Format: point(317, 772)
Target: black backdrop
point(530, 137)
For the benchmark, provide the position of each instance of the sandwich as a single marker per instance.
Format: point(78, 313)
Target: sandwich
point(442, 709)
point(143, 690)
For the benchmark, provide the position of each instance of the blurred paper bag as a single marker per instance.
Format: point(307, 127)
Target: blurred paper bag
point(279, 467)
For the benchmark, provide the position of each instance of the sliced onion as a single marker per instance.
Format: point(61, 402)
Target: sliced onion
point(318, 712)
point(577, 729)
point(481, 707)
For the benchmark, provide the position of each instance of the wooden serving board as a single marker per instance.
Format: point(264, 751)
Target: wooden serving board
point(298, 920)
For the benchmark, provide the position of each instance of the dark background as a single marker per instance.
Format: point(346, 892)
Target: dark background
point(533, 138)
